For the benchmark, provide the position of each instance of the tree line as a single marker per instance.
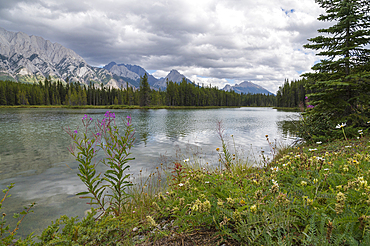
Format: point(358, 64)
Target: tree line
point(293, 94)
point(176, 94)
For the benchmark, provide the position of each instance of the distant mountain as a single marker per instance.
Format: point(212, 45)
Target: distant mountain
point(173, 76)
point(247, 87)
point(122, 72)
point(30, 59)
point(141, 72)
point(133, 73)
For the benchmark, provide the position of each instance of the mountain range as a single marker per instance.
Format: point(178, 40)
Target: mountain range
point(30, 59)
point(247, 87)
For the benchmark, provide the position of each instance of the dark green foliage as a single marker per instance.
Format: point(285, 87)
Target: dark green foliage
point(2, 94)
point(292, 95)
point(183, 94)
point(316, 127)
point(144, 91)
point(105, 231)
point(189, 94)
point(340, 85)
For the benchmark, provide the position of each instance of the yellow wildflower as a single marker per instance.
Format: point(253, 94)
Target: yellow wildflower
point(253, 209)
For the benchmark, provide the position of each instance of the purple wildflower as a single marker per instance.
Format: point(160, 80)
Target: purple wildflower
point(98, 134)
point(128, 117)
point(85, 117)
point(108, 114)
point(76, 131)
point(310, 106)
point(306, 98)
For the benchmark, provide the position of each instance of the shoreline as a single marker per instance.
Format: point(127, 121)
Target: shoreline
point(125, 107)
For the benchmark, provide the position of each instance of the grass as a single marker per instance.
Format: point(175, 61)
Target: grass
point(306, 195)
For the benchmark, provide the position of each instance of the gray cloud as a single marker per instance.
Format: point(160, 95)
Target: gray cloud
point(214, 39)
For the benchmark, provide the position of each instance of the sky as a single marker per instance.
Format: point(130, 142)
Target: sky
point(209, 41)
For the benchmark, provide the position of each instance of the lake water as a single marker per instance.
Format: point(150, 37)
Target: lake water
point(34, 155)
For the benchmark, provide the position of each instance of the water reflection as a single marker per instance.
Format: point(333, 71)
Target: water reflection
point(288, 127)
point(31, 142)
point(143, 117)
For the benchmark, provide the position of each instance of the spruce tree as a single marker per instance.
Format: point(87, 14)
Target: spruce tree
point(341, 82)
point(144, 93)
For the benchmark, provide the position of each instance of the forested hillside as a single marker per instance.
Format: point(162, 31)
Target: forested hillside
point(292, 94)
point(183, 94)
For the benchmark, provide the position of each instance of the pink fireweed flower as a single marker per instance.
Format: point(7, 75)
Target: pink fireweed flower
point(128, 120)
point(85, 117)
point(108, 114)
point(76, 131)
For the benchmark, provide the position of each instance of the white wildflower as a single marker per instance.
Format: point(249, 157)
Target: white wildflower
point(341, 125)
point(274, 169)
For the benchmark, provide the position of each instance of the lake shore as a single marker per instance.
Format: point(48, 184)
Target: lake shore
point(36, 159)
point(117, 107)
point(300, 189)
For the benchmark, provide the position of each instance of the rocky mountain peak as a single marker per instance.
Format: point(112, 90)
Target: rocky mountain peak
point(247, 87)
point(110, 65)
point(29, 59)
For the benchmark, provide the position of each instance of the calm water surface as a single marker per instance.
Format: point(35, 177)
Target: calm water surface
point(34, 155)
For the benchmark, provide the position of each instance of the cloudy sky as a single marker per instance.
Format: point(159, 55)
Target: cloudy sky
point(209, 41)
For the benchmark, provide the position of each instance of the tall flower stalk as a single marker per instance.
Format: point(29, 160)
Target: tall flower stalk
point(226, 159)
point(341, 126)
point(107, 191)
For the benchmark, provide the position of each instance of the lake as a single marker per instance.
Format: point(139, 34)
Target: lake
point(34, 155)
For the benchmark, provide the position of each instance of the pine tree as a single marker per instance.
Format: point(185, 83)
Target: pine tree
point(341, 82)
